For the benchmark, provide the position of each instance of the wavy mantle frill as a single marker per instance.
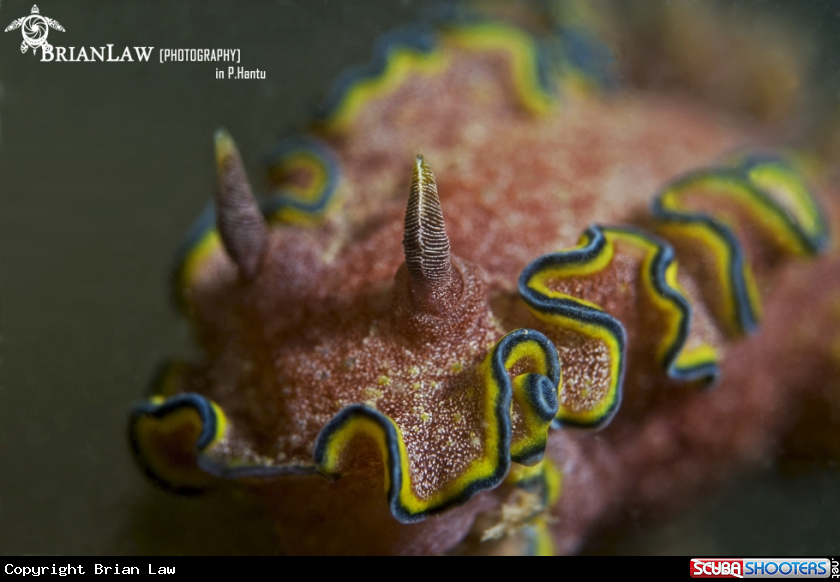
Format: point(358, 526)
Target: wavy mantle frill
point(180, 441)
point(663, 293)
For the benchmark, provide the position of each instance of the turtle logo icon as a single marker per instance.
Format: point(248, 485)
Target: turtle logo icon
point(35, 30)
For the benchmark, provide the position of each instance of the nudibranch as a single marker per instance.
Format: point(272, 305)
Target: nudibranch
point(582, 331)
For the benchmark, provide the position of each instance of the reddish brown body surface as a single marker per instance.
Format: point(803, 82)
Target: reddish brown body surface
point(325, 324)
point(657, 458)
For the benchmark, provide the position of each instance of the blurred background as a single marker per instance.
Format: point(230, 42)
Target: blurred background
point(103, 167)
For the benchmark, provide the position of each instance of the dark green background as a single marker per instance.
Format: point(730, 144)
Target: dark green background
point(102, 168)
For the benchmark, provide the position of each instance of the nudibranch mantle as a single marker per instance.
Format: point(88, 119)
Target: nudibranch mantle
point(340, 362)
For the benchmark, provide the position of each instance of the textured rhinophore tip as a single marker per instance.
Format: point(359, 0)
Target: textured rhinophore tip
point(238, 217)
point(425, 242)
point(433, 280)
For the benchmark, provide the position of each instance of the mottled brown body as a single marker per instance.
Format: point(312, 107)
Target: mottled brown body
point(331, 317)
